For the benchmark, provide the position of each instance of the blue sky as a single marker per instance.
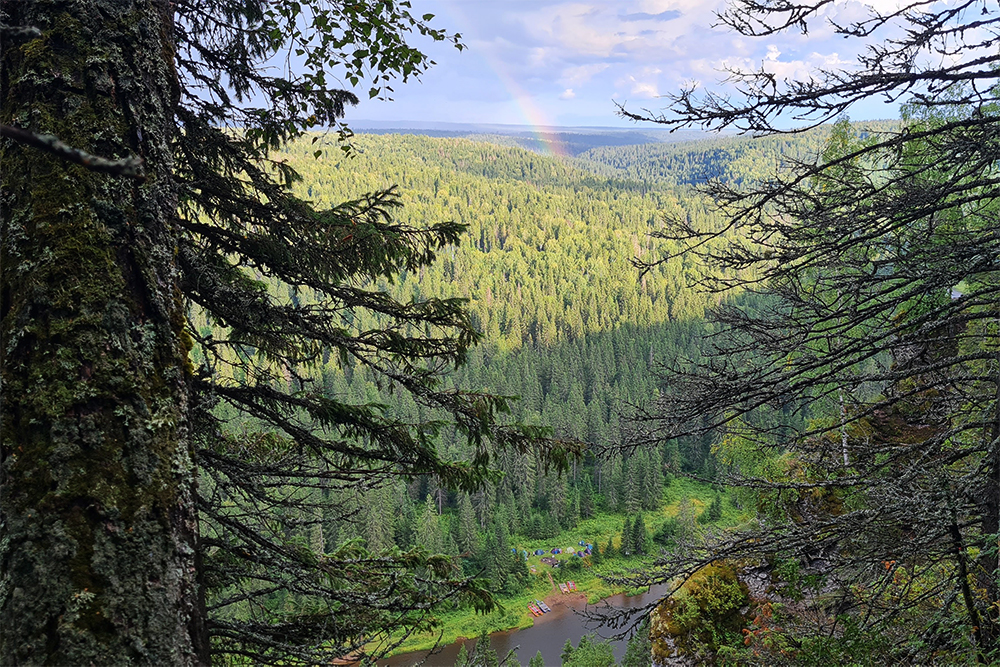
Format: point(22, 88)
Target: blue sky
point(566, 63)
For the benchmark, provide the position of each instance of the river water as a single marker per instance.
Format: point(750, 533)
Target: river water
point(548, 634)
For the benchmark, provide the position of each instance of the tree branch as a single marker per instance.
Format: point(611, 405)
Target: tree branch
point(131, 167)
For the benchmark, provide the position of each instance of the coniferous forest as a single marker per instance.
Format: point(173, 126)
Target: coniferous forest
point(279, 392)
point(570, 330)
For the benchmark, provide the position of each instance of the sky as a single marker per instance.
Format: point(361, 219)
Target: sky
point(567, 63)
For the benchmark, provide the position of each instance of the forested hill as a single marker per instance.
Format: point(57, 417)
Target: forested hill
point(548, 248)
point(733, 159)
point(569, 325)
point(570, 328)
point(548, 141)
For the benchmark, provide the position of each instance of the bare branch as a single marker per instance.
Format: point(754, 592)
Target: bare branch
point(130, 167)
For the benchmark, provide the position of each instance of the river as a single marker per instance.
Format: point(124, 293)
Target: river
point(548, 634)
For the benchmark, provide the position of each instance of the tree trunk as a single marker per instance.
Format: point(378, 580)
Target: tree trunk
point(99, 530)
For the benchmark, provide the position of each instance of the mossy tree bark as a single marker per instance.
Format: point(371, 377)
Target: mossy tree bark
point(99, 530)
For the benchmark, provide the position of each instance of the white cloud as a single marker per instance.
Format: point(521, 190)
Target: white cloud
point(802, 69)
point(598, 50)
point(644, 89)
point(580, 74)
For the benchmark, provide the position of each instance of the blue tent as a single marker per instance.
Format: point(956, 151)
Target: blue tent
point(539, 552)
point(582, 543)
point(556, 551)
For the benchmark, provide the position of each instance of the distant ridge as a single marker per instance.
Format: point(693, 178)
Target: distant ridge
point(565, 140)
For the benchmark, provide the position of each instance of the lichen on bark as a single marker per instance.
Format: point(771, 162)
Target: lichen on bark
point(98, 533)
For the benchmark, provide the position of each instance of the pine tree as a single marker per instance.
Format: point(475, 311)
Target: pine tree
point(537, 660)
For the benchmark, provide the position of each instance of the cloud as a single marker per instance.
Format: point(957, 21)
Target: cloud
point(579, 74)
point(643, 32)
point(668, 15)
point(644, 89)
point(571, 57)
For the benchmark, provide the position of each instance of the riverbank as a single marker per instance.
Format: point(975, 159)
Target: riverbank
point(457, 624)
point(547, 636)
point(514, 614)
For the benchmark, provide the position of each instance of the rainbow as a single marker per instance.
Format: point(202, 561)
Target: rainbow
point(543, 130)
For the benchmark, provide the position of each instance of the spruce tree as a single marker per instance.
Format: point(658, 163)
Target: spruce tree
point(609, 551)
point(483, 654)
point(429, 533)
point(652, 480)
point(640, 536)
point(498, 554)
point(180, 466)
point(567, 652)
point(633, 476)
point(627, 548)
point(462, 659)
point(639, 650)
point(99, 538)
point(572, 508)
point(715, 508)
point(467, 533)
point(586, 497)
